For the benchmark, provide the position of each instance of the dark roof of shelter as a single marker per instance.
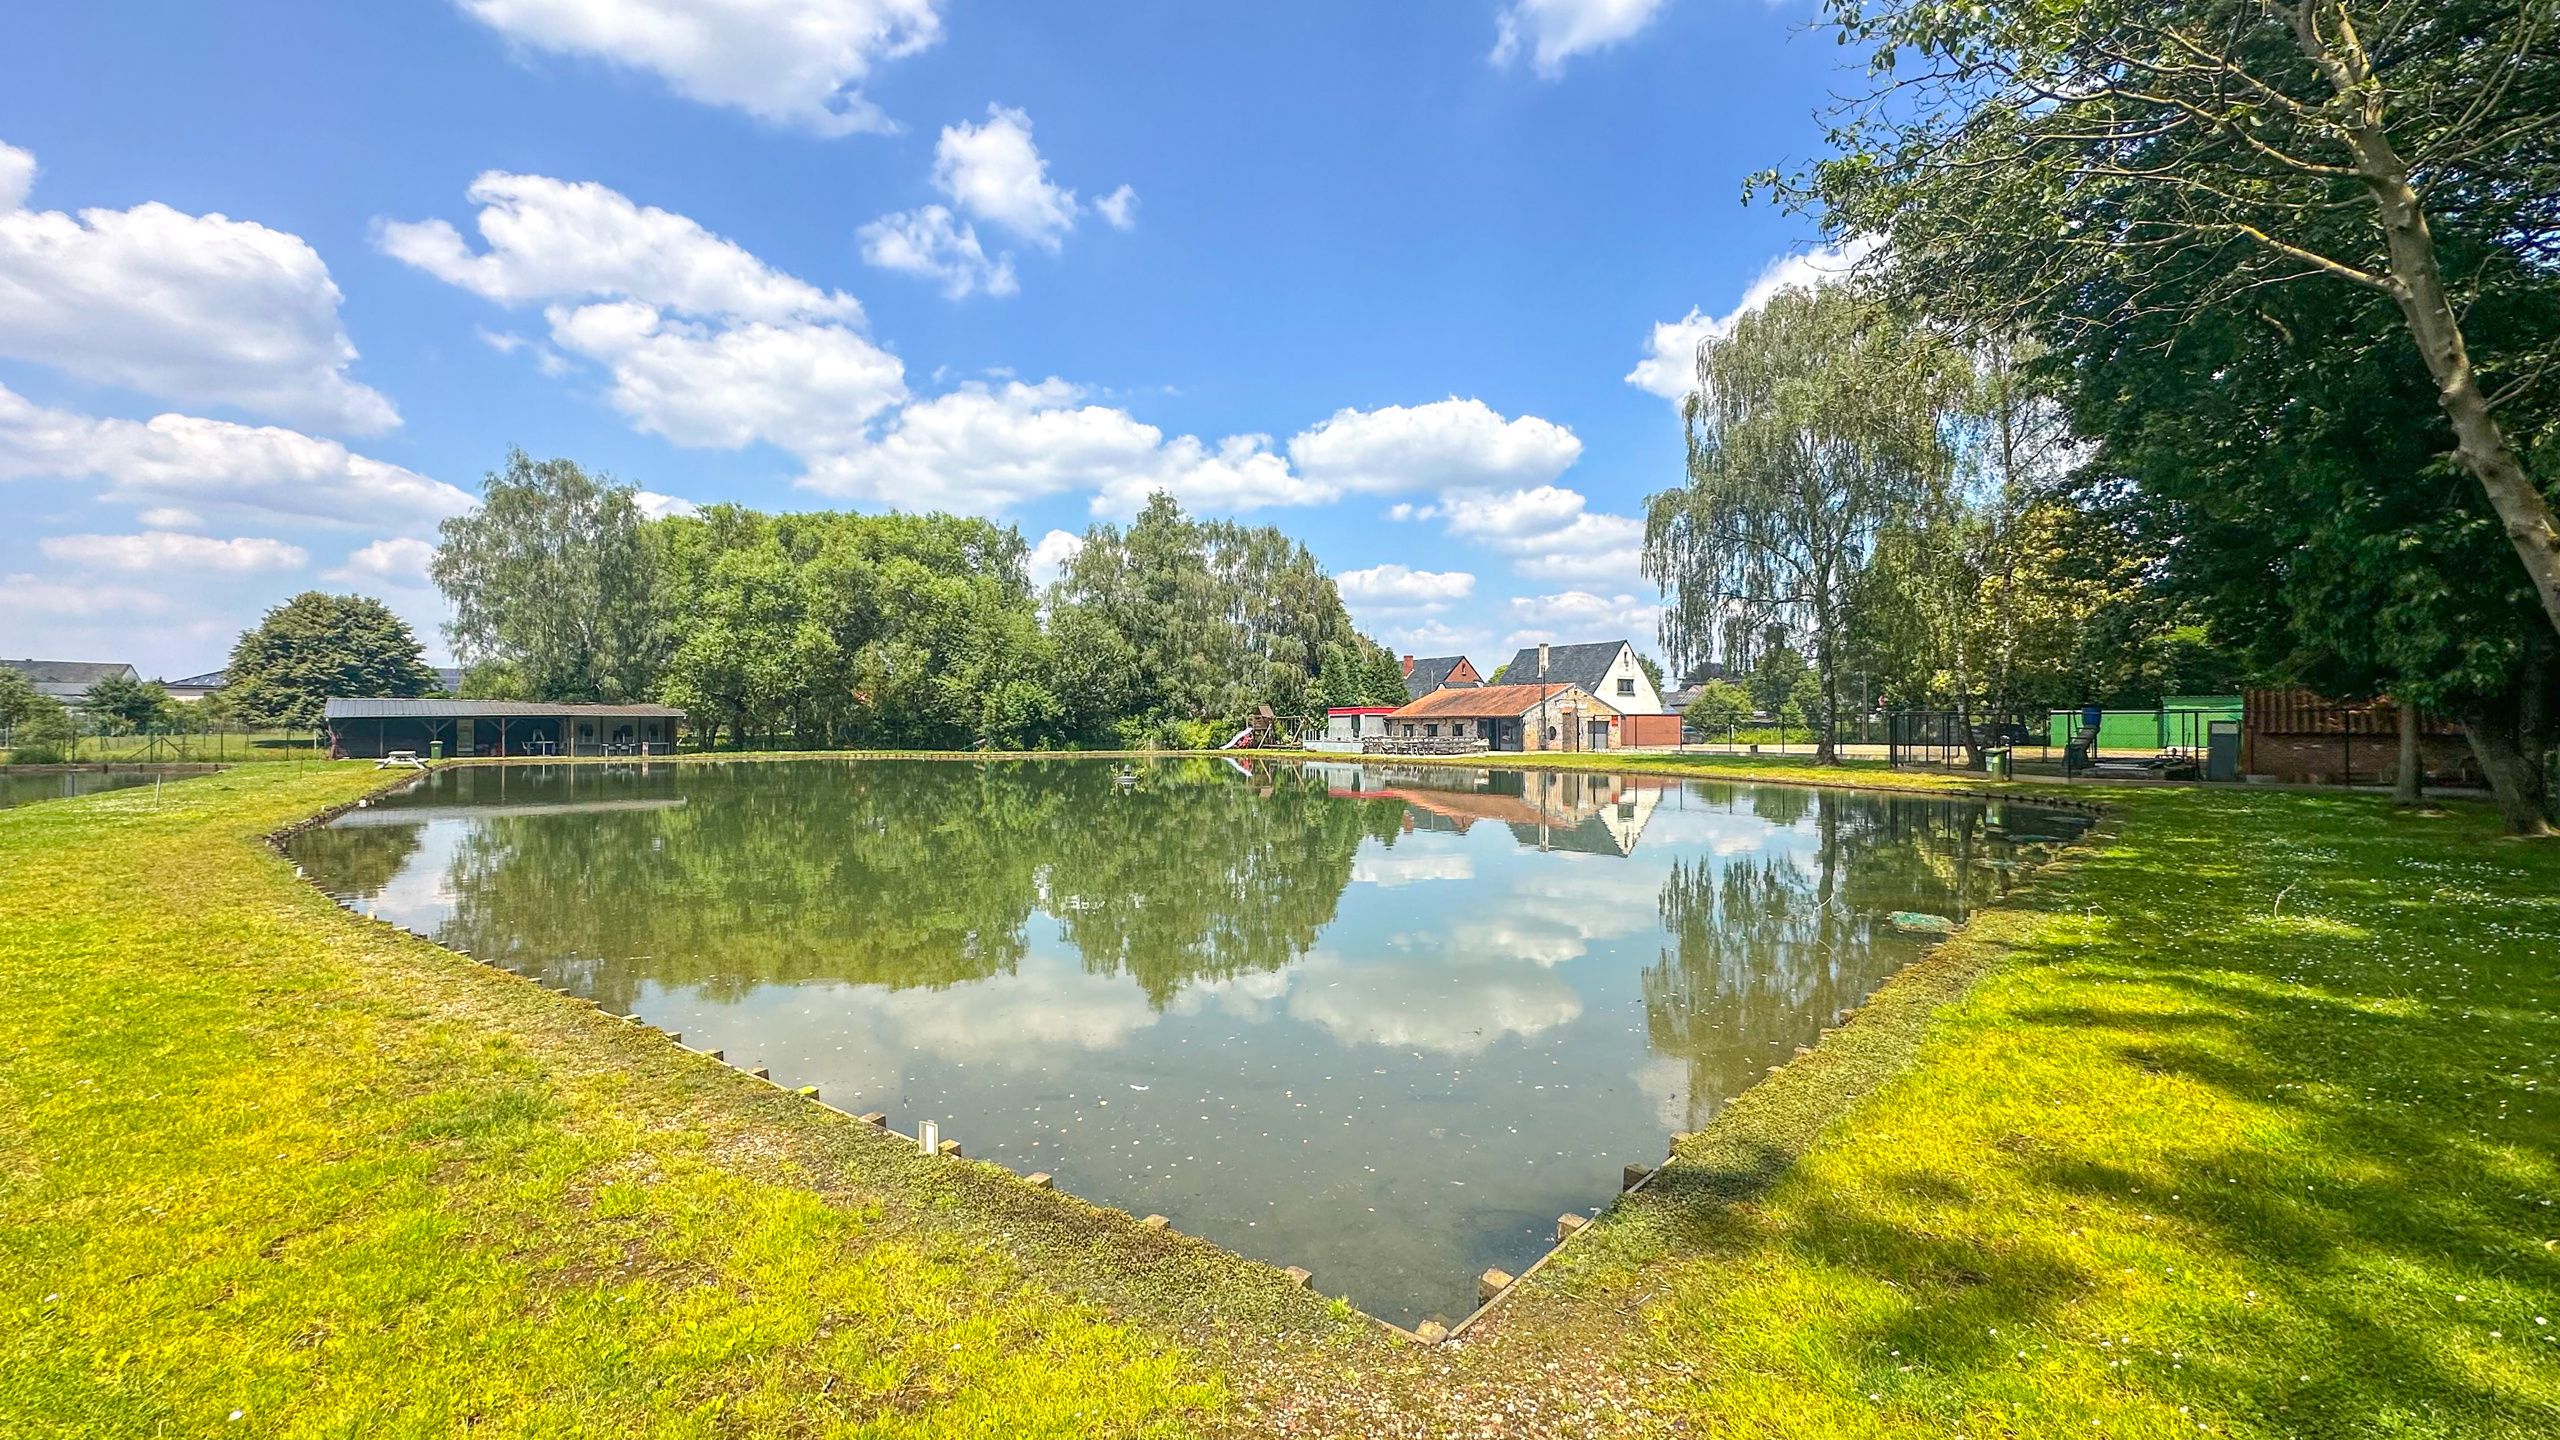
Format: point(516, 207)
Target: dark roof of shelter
point(403, 708)
point(1429, 675)
point(68, 672)
point(1481, 702)
point(1583, 665)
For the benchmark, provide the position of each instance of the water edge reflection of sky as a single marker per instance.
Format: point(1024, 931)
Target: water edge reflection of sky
point(1384, 1021)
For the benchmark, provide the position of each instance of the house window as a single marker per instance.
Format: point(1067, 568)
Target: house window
point(1627, 685)
point(1431, 730)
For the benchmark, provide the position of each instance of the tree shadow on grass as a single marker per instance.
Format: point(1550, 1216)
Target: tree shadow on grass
point(2246, 1169)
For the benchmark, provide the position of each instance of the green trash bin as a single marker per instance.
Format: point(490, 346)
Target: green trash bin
point(1995, 763)
point(435, 749)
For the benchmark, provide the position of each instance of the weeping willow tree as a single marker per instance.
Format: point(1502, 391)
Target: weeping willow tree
point(1816, 420)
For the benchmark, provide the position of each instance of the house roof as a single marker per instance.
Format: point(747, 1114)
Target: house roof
point(1432, 674)
point(82, 673)
point(1360, 710)
point(402, 708)
point(1505, 702)
point(209, 680)
point(1583, 665)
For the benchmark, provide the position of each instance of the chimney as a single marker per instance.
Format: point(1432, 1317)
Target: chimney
point(1408, 665)
point(1542, 659)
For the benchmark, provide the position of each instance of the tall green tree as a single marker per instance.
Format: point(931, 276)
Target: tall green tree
point(552, 575)
point(2350, 556)
point(43, 732)
point(129, 707)
point(2116, 160)
point(1815, 422)
point(1222, 617)
point(314, 647)
point(18, 697)
point(1720, 706)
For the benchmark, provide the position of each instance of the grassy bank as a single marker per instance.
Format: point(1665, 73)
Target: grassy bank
point(2238, 1124)
point(259, 1157)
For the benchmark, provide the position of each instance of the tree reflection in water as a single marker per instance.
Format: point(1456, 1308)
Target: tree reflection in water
point(1259, 998)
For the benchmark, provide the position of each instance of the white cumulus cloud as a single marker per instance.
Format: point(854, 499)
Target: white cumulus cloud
point(159, 550)
point(1393, 585)
point(400, 560)
point(1547, 33)
point(194, 463)
point(995, 445)
point(1119, 209)
point(655, 506)
point(17, 176)
point(809, 389)
point(928, 241)
point(1548, 531)
point(1446, 445)
point(1576, 615)
point(1050, 557)
point(197, 309)
point(799, 63)
point(995, 173)
point(1669, 367)
point(33, 594)
point(553, 239)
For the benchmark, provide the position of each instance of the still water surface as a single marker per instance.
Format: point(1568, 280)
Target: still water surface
point(23, 789)
point(1383, 1021)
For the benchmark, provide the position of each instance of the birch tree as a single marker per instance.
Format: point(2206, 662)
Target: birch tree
point(1814, 423)
point(2019, 157)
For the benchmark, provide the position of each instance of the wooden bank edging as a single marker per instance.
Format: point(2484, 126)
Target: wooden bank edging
point(1494, 1286)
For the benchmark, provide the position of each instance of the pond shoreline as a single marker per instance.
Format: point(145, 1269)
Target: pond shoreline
point(1496, 1284)
point(2181, 1004)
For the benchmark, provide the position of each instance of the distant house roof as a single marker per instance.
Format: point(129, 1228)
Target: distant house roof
point(401, 708)
point(69, 679)
point(209, 680)
point(1438, 672)
point(1497, 702)
point(1583, 665)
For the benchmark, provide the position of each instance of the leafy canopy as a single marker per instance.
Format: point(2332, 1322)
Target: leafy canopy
point(316, 646)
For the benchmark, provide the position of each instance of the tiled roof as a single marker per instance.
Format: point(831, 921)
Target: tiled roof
point(1429, 675)
point(1497, 701)
point(402, 708)
point(1583, 665)
point(82, 673)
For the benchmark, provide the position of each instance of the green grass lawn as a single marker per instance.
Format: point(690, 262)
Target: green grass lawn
point(2237, 1123)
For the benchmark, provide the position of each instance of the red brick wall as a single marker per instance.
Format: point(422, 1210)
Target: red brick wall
point(2321, 759)
point(1637, 732)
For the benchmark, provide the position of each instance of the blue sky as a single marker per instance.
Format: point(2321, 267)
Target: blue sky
point(279, 282)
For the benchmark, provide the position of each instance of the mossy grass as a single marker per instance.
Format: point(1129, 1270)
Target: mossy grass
point(2235, 1122)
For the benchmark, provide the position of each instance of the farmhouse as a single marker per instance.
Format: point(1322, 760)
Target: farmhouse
point(1501, 717)
point(69, 680)
point(1440, 672)
point(371, 728)
point(1607, 669)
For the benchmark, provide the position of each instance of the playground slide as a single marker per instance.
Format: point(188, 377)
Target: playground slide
point(1241, 740)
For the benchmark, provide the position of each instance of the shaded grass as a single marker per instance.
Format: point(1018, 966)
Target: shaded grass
point(2234, 1123)
point(2245, 1130)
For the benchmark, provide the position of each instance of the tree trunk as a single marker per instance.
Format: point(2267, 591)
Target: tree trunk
point(2513, 764)
point(2510, 737)
point(1826, 746)
point(2406, 785)
point(2417, 285)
